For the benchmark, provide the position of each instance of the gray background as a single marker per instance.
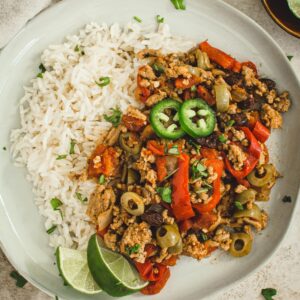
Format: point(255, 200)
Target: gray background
point(283, 270)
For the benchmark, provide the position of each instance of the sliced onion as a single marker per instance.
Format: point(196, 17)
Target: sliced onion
point(203, 61)
point(223, 96)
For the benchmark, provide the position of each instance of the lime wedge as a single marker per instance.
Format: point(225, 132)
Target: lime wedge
point(111, 270)
point(295, 7)
point(73, 267)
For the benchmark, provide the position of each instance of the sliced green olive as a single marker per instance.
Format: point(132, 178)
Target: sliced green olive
point(263, 194)
point(177, 249)
point(129, 142)
point(133, 203)
point(241, 244)
point(246, 196)
point(266, 178)
point(253, 213)
point(167, 236)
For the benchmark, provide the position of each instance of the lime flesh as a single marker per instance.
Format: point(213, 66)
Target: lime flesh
point(73, 267)
point(112, 271)
point(295, 7)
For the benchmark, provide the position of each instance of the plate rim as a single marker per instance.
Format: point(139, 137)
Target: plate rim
point(233, 10)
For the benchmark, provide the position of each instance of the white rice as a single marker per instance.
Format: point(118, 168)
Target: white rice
point(66, 104)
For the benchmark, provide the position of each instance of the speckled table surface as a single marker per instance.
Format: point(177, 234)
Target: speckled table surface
point(282, 272)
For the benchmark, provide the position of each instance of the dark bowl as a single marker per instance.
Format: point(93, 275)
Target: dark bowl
point(281, 14)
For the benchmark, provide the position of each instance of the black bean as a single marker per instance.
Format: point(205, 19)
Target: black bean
point(269, 82)
point(155, 208)
point(152, 218)
point(211, 141)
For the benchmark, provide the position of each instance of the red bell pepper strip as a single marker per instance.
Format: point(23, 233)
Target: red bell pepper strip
point(206, 95)
point(155, 287)
point(261, 132)
point(185, 225)
point(252, 119)
point(205, 220)
point(155, 147)
point(218, 56)
point(171, 261)
point(161, 168)
point(186, 83)
point(254, 151)
point(237, 66)
point(181, 204)
point(250, 65)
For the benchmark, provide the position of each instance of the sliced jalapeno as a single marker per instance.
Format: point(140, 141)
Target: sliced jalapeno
point(196, 118)
point(164, 119)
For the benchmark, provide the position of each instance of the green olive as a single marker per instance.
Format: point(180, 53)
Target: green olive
point(253, 213)
point(129, 142)
point(133, 203)
point(268, 177)
point(246, 196)
point(167, 236)
point(263, 194)
point(241, 244)
point(177, 249)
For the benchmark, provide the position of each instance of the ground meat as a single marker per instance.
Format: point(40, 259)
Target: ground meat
point(147, 72)
point(271, 117)
point(134, 120)
point(269, 83)
point(251, 80)
point(282, 103)
point(153, 99)
point(223, 238)
point(239, 94)
point(252, 103)
point(167, 219)
point(240, 119)
point(240, 188)
point(236, 156)
point(233, 78)
point(110, 240)
point(136, 234)
point(192, 247)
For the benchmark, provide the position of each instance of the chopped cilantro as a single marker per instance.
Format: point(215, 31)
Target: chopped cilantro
point(222, 138)
point(203, 237)
point(133, 249)
point(79, 49)
point(72, 147)
point(158, 69)
point(165, 193)
point(55, 203)
point(239, 205)
point(115, 117)
point(230, 123)
point(268, 293)
point(51, 229)
point(198, 170)
point(138, 19)
point(173, 150)
point(20, 280)
point(179, 4)
point(42, 70)
point(63, 156)
point(81, 198)
point(4, 148)
point(160, 19)
point(290, 57)
point(40, 75)
point(101, 179)
point(103, 81)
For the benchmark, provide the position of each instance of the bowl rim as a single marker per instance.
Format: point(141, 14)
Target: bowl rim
point(263, 262)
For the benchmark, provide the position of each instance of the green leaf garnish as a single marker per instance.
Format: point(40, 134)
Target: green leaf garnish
point(230, 123)
point(138, 19)
point(79, 49)
point(179, 4)
point(165, 193)
point(198, 170)
point(55, 203)
point(158, 69)
point(114, 118)
point(287, 199)
point(101, 179)
point(72, 147)
point(133, 249)
point(203, 237)
point(40, 75)
point(290, 57)
point(51, 229)
point(160, 19)
point(222, 138)
point(239, 205)
point(268, 293)
point(193, 88)
point(173, 150)
point(80, 197)
point(42, 70)
point(103, 81)
point(63, 156)
point(20, 280)
point(4, 148)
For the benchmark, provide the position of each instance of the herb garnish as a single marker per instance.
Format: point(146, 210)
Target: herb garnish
point(63, 156)
point(79, 49)
point(179, 4)
point(103, 81)
point(4, 148)
point(72, 147)
point(165, 193)
point(193, 88)
point(51, 229)
point(133, 249)
point(230, 123)
point(203, 237)
point(158, 70)
point(287, 199)
point(160, 19)
point(198, 170)
point(239, 205)
point(196, 146)
point(115, 117)
point(138, 19)
point(173, 150)
point(268, 293)
point(20, 280)
point(101, 179)
point(80, 197)
point(222, 138)
point(55, 203)
point(290, 57)
point(42, 70)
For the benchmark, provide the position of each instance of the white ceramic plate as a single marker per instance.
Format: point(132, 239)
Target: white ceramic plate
point(22, 233)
